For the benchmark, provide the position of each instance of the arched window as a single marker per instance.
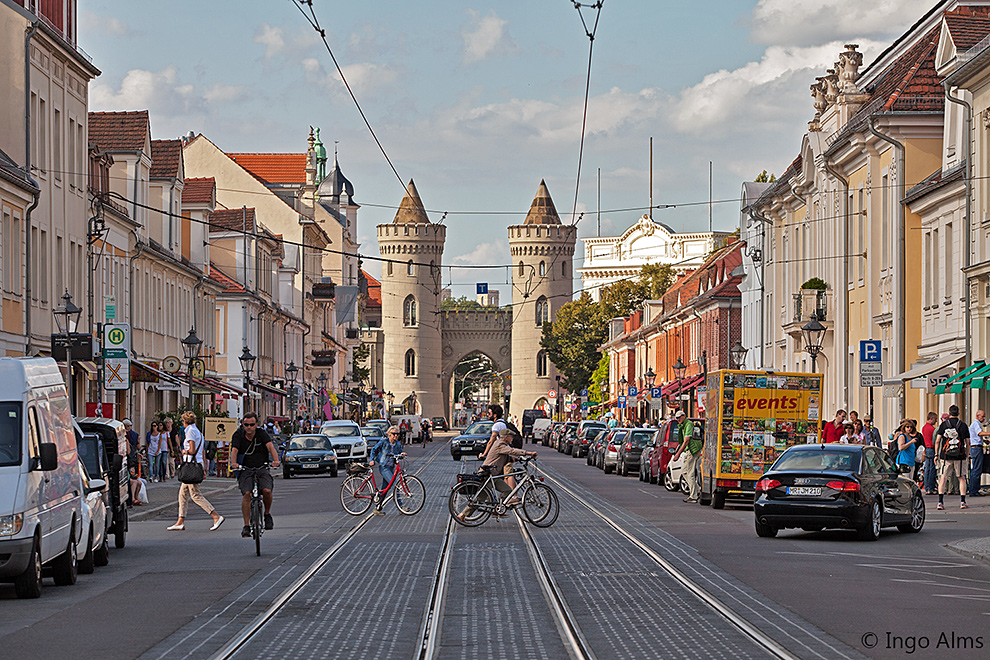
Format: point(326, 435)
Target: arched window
point(542, 310)
point(410, 269)
point(543, 268)
point(522, 269)
point(390, 268)
point(409, 311)
point(410, 362)
point(563, 269)
point(541, 364)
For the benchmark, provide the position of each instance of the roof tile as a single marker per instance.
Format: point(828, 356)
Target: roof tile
point(271, 168)
point(199, 190)
point(119, 131)
point(165, 158)
point(233, 220)
point(230, 285)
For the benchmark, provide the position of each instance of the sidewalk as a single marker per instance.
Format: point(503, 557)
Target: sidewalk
point(164, 496)
point(975, 548)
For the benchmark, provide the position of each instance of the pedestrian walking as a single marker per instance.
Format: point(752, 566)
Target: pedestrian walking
point(872, 433)
point(849, 436)
point(928, 433)
point(157, 442)
point(833, 430)
point(908, 440)
point(977, 431)
point(950, 445)
point(693, 447)
point(174, 447)
point(193, 450)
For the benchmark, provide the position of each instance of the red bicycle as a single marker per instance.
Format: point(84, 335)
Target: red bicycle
point(359, 491)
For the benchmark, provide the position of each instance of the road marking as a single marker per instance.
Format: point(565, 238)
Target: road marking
point(654, 495)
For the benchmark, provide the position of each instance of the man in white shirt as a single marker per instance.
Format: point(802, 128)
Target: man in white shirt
point(976, 434)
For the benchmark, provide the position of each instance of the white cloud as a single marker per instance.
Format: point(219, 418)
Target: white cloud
point(106, 25)
point(219, 92)
point(485, 253)
point(485, 37)
point(758, 93)
point(272, 38)
point(364, 78)
point(812, 22)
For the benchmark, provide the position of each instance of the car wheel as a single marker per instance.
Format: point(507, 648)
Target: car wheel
point(872, 530)
point(120, 530)
point(28, 583)
point(718, 500)
point(456, 457)
point(608, 468)
point(683, 484)
point(102, 554)
point(624, 470)
point(65, 567)
point(87, 564)
point(917, 516)
point(765, 531)
point(285, 473)
point(333, 472)
point(668, 482)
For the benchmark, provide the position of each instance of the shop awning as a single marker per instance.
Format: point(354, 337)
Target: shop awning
point(979, 378)
point(681, 386)
point(958, 382)
point(224, 385)
point(158, 373)
point(89, 367)
point(268, 389)
point(931, 367)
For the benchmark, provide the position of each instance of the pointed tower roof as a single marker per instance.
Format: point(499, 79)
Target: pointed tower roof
point(335, 185)
point(411, 210)
point(542, 211)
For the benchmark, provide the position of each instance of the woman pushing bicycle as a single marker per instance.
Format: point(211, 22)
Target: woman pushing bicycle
point(384, 453)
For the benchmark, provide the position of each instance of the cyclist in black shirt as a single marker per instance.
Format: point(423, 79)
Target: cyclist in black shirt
point(254, 447)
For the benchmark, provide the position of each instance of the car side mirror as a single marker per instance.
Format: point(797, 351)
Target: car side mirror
point(96, 485)
point(903, 469)
point(48, 456)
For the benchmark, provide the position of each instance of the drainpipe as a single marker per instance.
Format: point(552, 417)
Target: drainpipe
point(37, 196)
point(899, 320)
point(845, 272)
point(969, 227)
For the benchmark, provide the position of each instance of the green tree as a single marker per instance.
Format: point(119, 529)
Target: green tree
point(596, 392)
point(359, 371)
point(763, 177)
point(462, 303)
point(572, 341)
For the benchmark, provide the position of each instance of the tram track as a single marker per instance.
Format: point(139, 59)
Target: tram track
point(428, 632)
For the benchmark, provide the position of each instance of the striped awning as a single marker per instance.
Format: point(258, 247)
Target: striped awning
point(958, 382)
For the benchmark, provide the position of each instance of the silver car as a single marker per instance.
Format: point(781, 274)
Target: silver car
point(348, 442)
point(96, 524)
point(610, 452)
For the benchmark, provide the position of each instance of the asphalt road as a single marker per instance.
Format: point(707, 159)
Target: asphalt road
point(184, 594)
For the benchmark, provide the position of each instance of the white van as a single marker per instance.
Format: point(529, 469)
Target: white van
point(415, 423)
point(540, 428)
point(41, 496)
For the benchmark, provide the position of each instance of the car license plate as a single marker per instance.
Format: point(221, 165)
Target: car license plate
point(311, 465)
point(804, 490)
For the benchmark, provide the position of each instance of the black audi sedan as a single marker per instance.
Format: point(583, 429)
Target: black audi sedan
point(309, 454)
point(473, 441)
point(820, 486)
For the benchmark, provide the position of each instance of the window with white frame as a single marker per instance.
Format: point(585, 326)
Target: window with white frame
point(409, 311)
point(410, 362)
point(542, 310)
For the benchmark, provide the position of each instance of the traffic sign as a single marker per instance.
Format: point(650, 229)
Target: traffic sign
point(584, 392)
point(481, 288)
point(655, 392)
point(871, 380)
point(632, 391)
point(622, 402)
point(116, 340)
point(110, 308)
point(552, 394)
point(116, 373)
point(869, 350)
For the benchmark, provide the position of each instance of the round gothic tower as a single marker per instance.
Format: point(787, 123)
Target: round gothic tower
point(542, 281)
point(411, 306)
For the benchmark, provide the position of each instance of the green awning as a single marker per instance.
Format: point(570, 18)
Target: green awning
point(960, 379)
point(979, 379)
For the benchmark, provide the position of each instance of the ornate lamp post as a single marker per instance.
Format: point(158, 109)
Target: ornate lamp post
point(67, 320)
point(291, 372)
point(321, 384)
point(344, 384)
point(651, 378)
point(814, 335)
point(622, 390)
point(738, 354)
point(190, 348)
point(247, 367)
point(679, 369)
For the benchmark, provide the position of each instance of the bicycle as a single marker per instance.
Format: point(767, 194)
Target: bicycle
point(359, 491)
point(257, 518)
point(475, 498)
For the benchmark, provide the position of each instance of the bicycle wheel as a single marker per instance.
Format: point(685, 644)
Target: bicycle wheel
point(540, 506)
point(257, 521)
point(356, 494)
point(409, 495)
point(463, 503)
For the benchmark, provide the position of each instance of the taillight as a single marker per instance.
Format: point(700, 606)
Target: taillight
point(844, 486)
point(765, 484)
point(728, 483)
point(611, 448)
point(628, 446)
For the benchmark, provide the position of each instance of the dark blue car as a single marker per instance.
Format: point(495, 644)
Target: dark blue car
point(473, 441)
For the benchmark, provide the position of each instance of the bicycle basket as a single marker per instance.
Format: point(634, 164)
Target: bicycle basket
point(357, 468)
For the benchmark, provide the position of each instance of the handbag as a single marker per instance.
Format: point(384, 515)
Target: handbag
point(190, 471)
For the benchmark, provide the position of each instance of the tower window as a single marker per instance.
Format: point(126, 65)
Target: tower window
point(522, 269)
point(543, 268)
point(409, 311)
point(563, 269)
point(542, 311)
point(410, 269)
point(390, 268)
point(410, 362)
point(541, 364)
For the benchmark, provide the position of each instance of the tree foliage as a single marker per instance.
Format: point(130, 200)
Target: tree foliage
point(462, 304)
point(763, 177)
point(359, 371)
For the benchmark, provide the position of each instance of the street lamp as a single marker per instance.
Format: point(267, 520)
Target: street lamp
point(814, 335)
point(738, 353)
point(622, 390)
point(291, 372)
point(190, 348)
point(679, 369)
point(321, 384)
point(67, 320)
point(247, 367)
point(651, 377)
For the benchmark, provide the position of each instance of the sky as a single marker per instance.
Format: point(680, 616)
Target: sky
point(480, 101)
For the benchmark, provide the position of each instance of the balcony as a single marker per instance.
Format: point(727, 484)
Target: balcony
point(324, 358)
point(324, 291)
point(808, 302)
point(351, 333)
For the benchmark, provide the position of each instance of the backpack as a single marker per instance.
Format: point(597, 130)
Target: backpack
point(515, 437)
point(892, 449)
point(952, 450)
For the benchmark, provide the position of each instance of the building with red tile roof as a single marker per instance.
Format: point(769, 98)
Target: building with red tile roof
point(199, 191)
point(273, 168)
point(166, 159)
point(120, 131)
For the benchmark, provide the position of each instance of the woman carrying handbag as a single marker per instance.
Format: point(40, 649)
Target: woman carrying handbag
point(190, 473)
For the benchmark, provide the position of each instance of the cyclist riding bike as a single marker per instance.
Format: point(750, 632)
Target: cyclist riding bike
point(254, 447)
point(384, 454)
point(500, 454)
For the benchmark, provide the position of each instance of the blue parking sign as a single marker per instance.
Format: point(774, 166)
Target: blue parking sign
point(632, 391)
point(622, 402)
point(869, 350)
point(655, 392)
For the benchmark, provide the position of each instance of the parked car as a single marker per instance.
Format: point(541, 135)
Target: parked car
point(541, 427)
point(631, 449)
point(312, 453)
point(372, 434)
point(560, 432)
point(40, 500)
point(473, 441)
point(381, 424)
point(837, 486)
point(567, 438)
point(440, 424)
point(97, 524)
point(529, 418)
point(596, 447)
point(113, 438)
point(587, 423)
point(584, 440)
point(348, 442)
point(654, 460)
point(609, 457)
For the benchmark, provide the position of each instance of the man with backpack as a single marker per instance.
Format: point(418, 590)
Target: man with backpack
point(952, 447)
point(513, 439)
